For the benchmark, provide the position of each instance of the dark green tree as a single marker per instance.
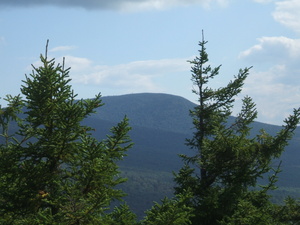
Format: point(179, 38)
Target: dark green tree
point(227, 160)
point(173, 211)
point(53, 171)
point(289, 213)
point(122, 216)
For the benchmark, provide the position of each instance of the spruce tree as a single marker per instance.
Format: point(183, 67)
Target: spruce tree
point(227, 159)
point(173, 211)
point(53, 170)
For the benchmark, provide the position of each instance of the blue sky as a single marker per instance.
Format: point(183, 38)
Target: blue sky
point(131, 46)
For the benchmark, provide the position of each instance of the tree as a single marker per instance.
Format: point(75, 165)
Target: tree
point(222, 173)
point(289, 213)
point(122, 216)
point(173, 211)
point(52, 170)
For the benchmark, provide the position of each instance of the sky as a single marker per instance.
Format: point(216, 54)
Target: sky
point(134, 46)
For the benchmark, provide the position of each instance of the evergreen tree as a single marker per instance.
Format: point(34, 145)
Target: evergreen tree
point(227, 161)
point(173, 211)
point(122, 216)
point(289, 213)
point(53, 171)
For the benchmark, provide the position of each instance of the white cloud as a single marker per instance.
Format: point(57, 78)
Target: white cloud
point(274, 49)
point(287, 13)
point(132, 77)
point(163, 4)
point(62, 48)
point(138, 76)
point(77, 64)
point(263, 1)
point(275, 100)
point(274, 82)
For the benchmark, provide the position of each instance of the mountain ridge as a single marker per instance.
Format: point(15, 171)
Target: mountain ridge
point(168, 109)
point(163, 111)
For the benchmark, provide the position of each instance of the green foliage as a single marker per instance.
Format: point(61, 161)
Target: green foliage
point(122, 216)
point(53, 171)
point(170, 212)
point(289, 213)
point(228, 162)
point(250, 212)
point(256, 208)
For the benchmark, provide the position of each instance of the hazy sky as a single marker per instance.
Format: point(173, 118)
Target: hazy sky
point(131, 46)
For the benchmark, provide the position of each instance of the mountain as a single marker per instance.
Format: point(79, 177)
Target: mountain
point(157, 111)
point(160, 124)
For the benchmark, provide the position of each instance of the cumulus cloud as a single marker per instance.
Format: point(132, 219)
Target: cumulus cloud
point(287, 13)
point(140, 76)
point(62, 48)
point(125, 5)
point(78, 64)
point(263, 1)
point(280, 50)
point(275, 87)
point(275, 100)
